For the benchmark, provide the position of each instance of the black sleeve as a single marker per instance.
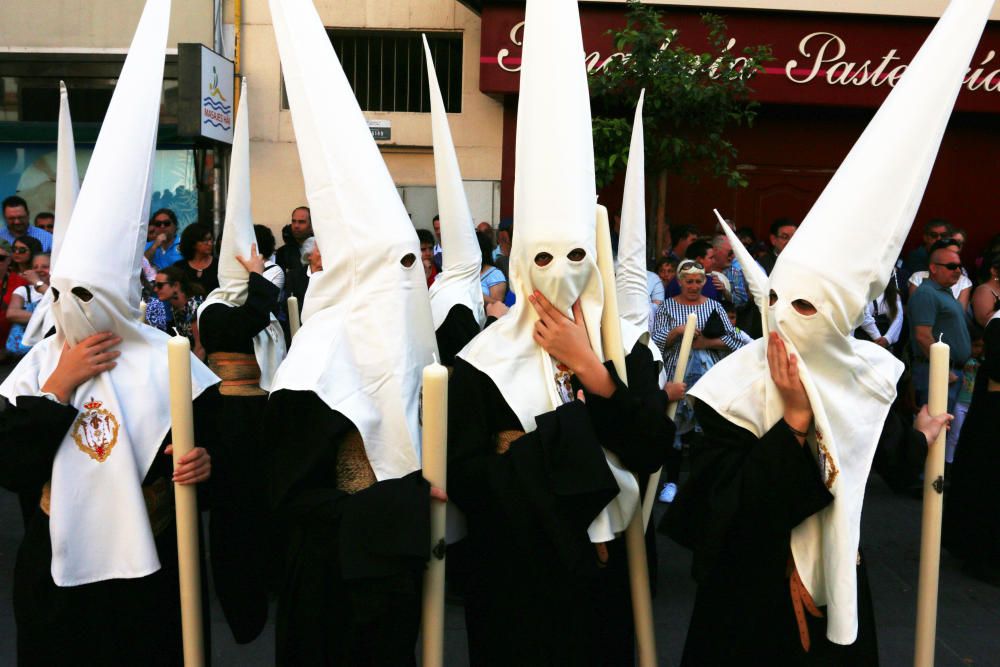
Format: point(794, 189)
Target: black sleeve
point(382, 530)
point(455, 332)
point(633, 421)
point(739, 482)
point(30, 434)
point(991, 347)
point(230, 328)
point(901, 452)
point(552, 481)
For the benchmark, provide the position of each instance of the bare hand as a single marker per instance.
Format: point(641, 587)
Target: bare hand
point(567, 341)
point(881, 340)
point(161, 240)
point(496, 309)
point(193, 467)
point(253, 265)
point(952, 377)
point(931, 426)
point(439, 494)
point(785, 373)
point(675, 391)
point(77, 364)
point(718, 284)
point(31, 276)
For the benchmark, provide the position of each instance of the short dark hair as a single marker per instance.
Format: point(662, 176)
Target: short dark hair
point(937, 222)
point(265, 240)
point(435, 218)
point(782, 222)
point(672, 261)
point(728, 306)
point(944, 244)
point(176, 274)
point(14, 201)
point(697, 249)
point(746, 232)
point(306, 209)
point(678, 232)
point(164, 211)
point(190, 236)
point(425, 236)
point(47, 215)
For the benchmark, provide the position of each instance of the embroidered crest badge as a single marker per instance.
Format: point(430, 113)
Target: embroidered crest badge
point(96, 431)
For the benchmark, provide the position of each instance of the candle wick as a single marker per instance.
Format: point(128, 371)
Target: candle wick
point(176, 332)
point(435, 356)
point(941, 337)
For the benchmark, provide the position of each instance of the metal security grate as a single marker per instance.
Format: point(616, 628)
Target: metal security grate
point(388, 73)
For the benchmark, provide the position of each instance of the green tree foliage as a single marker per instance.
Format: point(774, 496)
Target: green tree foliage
point(691, 99)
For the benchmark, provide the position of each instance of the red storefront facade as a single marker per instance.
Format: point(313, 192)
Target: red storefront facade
point(829, 74)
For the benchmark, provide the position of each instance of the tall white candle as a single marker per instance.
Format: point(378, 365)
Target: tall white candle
point(930, 532)
point(687, 340)
point(186, 501)
point(635, 541)
point(294, 320)
point(435, 468)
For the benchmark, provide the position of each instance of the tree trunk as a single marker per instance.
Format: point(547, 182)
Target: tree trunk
point(662, 233)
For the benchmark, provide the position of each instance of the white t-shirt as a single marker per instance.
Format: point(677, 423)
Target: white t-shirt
point(34, 296)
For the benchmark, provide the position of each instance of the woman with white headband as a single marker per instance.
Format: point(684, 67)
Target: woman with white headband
point(772, 509)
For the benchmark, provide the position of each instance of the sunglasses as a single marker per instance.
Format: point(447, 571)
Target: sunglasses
point(689, 264)
point(159, 285)
point(20, 249)
point(160, 223)
point(951, 266)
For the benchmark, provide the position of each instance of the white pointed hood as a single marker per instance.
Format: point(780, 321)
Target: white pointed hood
point(237, 237)
point(839, 260)
point(630, 273)
point(67, 188)
point(554, 213)
point(458, 283)
point(99, 526)
point(367, 332)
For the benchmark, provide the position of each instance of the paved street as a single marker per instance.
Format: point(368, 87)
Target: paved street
point(968, 624)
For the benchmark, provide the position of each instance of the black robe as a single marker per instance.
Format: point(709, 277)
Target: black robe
point(115, 622)
point(352, 565)
point(537, 594)
point(736, 512)
point(237, 529)
point(972, 504)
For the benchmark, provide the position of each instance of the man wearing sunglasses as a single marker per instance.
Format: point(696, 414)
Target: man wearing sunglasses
point(162, 250)
point(935, 230)
point(17, 217)
point(935, 312)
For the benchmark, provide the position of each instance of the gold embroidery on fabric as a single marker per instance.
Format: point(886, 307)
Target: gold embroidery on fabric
point(505, 438)
point(95, 431)
point(354, 470)
point(827, 467)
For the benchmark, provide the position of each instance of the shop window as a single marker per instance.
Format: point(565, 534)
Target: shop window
point(388, 72)
point(29, 86)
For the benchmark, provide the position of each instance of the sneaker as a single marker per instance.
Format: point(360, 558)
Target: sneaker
point(667, 493)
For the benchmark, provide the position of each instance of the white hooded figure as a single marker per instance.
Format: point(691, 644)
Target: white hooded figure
point(107, 495)
point(347, 396)
point(458, 284)
point(839, 260)
point(67, 188)
point(512, 398)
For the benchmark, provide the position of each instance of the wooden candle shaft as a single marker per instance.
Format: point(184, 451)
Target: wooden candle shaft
point(635, 540)
point(186, 502)
point(687, 340)
point(435, 457)
point(930, 530)
point(294, 319)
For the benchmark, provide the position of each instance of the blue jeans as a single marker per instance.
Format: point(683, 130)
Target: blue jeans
point(920, 372)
